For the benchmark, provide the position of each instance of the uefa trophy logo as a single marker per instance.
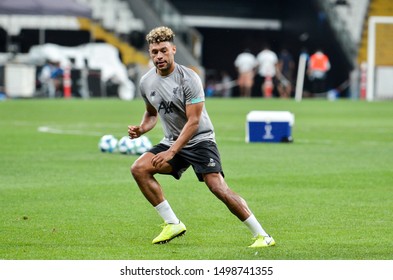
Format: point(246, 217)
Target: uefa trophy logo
point(268, 131)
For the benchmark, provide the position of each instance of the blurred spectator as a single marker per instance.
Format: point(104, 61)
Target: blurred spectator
point(245, 64)
point(219, 84)
point(286, 66)
point(318, 66)
point(226, 90)
point(211, 82)
point(51, 79)
point(265, 79)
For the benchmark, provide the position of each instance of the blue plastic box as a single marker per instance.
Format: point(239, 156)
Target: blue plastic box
point(269, 126)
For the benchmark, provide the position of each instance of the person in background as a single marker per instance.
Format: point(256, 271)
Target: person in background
point(265, 80)
point(318, 66)
point(174, 93)
point(286, 66)
point(51, 78)
point(245, 64)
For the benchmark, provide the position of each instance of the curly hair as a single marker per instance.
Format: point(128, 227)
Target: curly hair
point(160, 34)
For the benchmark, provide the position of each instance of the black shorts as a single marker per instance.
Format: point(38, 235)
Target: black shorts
point(203, 157)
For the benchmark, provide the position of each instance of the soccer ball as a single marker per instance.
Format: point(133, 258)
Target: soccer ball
point(142, 144)
point(108, 144)
point(126, 146)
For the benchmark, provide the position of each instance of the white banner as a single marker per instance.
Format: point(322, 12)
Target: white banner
point(198, 270)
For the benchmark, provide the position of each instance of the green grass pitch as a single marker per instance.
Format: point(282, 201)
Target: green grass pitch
point(326, 196)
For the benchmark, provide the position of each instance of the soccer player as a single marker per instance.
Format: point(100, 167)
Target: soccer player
point(175, 94)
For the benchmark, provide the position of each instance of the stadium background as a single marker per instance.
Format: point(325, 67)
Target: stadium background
point(303, 25)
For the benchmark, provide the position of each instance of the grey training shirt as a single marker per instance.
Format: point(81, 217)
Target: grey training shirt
point(169, 95)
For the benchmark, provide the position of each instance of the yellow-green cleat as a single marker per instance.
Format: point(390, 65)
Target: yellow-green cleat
point(169, 232)
point(263, 241)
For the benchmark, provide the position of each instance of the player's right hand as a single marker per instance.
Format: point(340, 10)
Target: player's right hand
point(134, 131)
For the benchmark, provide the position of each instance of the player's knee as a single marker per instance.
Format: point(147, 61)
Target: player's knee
point(137, 169)
point(216, 184)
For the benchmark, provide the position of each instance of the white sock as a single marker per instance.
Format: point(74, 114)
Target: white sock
point(254, 226)
point(166, 212)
